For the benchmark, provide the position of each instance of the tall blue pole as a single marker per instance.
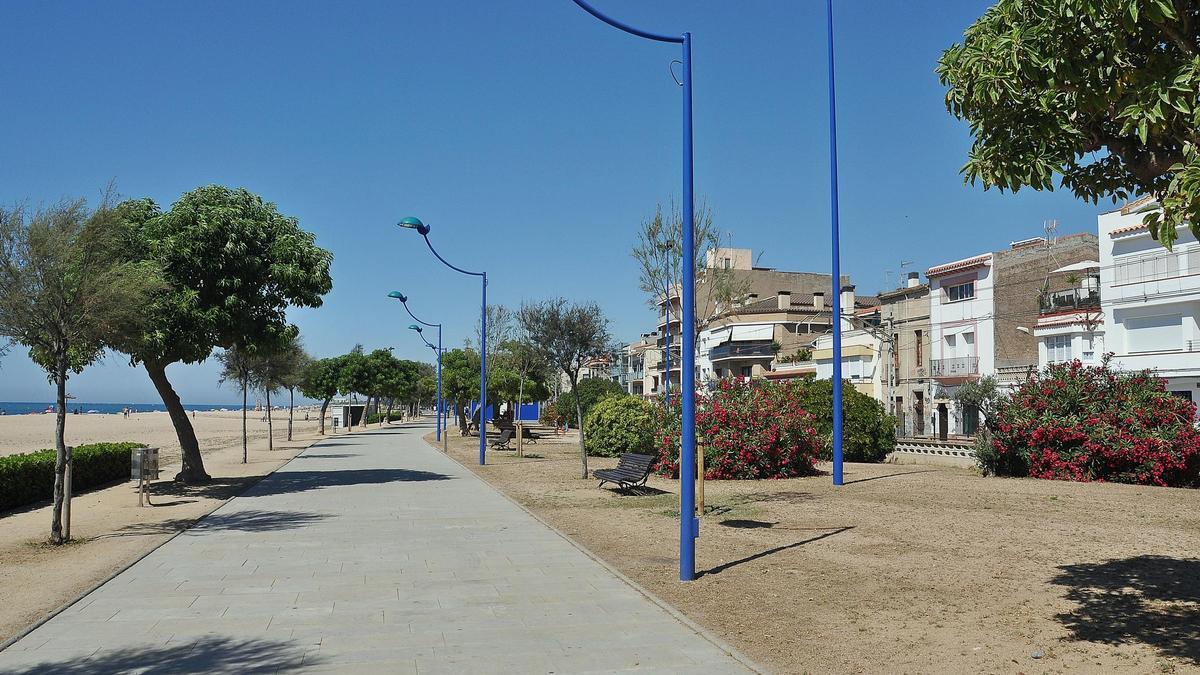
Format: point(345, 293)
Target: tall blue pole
point(837, 261)
point(689, 524)
point(483, 375)
point(439, 414)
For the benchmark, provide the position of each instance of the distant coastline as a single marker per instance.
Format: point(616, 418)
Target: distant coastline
point(29, 407)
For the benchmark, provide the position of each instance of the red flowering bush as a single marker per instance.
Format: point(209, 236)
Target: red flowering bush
point(749, 430)
point(1083, 423)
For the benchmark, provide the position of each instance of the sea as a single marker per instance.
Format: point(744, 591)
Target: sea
point(83, 408)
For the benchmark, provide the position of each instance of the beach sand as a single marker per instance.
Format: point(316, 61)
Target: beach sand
point(214, 429)
point(109, 528)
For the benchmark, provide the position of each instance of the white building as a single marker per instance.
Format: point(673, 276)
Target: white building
point(962, 335)
point(1150, 298)
point(1070, 323)
point(860, 360)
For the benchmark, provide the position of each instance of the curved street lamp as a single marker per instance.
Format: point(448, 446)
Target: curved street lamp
point(689, 524)
point(422, 229)
point(441, 409)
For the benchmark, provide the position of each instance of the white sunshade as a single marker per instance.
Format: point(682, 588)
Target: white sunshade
point(1079, 266)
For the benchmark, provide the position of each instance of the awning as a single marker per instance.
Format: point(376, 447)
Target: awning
point(745, 333)
point(1079, 266)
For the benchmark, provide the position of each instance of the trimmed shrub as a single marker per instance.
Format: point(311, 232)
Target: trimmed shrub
point(619, 424)
point(749, 430)
point(1093, 423)
point(29, 477)
point(868, 431)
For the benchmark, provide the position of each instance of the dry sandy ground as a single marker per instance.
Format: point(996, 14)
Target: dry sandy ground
point(906, 569)
point(109, 528)
point(26, 433)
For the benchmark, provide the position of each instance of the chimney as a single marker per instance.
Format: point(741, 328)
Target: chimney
point(914, 279)
point(784, 298)
point(848, 299)
point(818, 301)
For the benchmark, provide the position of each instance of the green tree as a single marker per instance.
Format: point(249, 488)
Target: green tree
point(233, 264)
point(569, 335)
point(237, 365)
point(291, 376)
point(272, 368)
point(65, 293)
point(621, 423)
point(1048, 84)
point(460, 381)
point(587, 393)
point(321, 380)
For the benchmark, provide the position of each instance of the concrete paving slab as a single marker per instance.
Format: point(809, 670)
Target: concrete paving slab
point(389, 558)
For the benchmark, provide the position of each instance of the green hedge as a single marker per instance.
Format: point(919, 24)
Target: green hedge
point(29, 477)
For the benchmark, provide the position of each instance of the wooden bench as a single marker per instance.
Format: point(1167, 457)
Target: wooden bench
point(632, 470)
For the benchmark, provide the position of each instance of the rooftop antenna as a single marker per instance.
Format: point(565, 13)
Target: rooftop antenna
point(902, 280)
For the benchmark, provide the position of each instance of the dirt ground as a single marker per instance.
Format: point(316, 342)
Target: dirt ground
point(110, 529)
point(905, 569)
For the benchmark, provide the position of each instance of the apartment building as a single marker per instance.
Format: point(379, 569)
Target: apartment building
point(982, 314)
point(1070, 323)
point(780, 313)
point(907, 385)
point(862, 343)
point(1150, 298)
point(629, 369)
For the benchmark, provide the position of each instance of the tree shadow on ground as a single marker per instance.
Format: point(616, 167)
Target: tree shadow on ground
point(1147, 599)
point(772, 551)
point(327, 455)
point(243, 521)
point(789, 497)
point(206, 655)
point(283, 482)
point(888, 475)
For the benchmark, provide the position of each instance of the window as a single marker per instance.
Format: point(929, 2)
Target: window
point(951, 346)
point(968, 342)
point(960, 292)
point(920, 347)
point(1089, 347)
point(1154, 333)
point(1058, 348)
point(747, 371)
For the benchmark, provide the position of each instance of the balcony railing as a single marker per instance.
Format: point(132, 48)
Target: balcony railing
point(1070, 299)
point(961, 366)
point(742, 350)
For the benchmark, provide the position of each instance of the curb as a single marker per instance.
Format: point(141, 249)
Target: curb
point(124, 568)
point(679, 616)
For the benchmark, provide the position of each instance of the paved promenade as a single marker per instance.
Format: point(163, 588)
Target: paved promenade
point(368, 553)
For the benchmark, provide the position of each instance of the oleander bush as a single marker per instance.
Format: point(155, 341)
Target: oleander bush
point(619, 424)
point(1093, 423)
point(748, 430)
point(29, 477)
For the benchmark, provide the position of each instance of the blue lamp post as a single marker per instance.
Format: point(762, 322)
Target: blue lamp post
point(689, 524)
point(440, 410)
point(423, 230)
point(837, 260)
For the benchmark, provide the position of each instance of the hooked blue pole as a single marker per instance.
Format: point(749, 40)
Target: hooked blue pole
point(439, 408)
point(689, 524)
point(423, 229)
point(837, 260)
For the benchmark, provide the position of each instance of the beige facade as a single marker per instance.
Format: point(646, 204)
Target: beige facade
point(907, 387)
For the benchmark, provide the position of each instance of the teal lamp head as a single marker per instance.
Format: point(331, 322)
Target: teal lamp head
point(412, 223)
point(415, 327)
point(398, 295)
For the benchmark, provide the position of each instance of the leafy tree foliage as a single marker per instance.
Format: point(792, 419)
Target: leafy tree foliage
point(1103, 93)
point(233, 264)
point(321, 381)
point(66, 292)
point(569, 335)
point(587, 393)
point(460, 381)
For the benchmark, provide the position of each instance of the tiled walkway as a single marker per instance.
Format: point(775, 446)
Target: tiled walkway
point(369, 553)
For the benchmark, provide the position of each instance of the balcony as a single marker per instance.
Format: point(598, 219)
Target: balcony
point(962, 366)
point(742, 350)
point(1073, 299)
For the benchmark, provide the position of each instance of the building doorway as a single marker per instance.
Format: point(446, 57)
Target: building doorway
point(943, 417)
point(919, 413)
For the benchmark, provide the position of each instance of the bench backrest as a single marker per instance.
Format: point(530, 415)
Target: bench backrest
point(506, 435)
point(636, 462)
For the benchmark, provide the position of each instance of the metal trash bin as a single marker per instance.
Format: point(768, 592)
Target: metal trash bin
point(143, 464)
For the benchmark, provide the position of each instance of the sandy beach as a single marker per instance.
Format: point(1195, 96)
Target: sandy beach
point(214, 429)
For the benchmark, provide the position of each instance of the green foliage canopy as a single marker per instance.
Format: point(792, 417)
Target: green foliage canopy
point(1103, 93)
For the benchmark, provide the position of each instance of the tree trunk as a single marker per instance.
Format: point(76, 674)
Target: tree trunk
point(60, 451)
point(324, 407)
point(192, 470)
point(244, 403)
point(270, 428)
point(579, 419)
point(391, 403)
point(362, 423)
point(291, 410)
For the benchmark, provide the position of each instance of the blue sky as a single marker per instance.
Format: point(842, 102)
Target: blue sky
point(531, 137)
